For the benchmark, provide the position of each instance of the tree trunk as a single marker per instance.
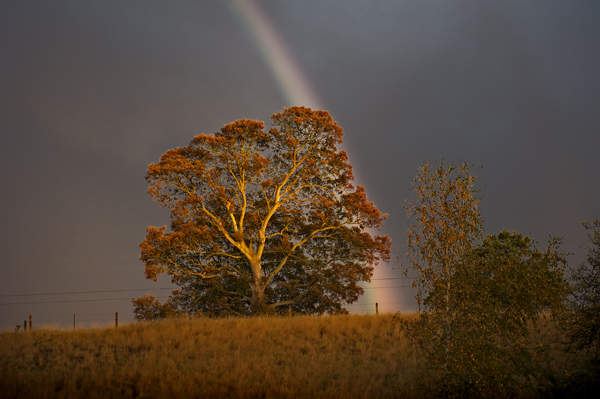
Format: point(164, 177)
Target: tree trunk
point(258, 303)
point(447, 318)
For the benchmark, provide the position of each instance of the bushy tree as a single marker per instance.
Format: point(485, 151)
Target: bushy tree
point(503, 292)
point(584, 325)
point(262, 220)
point(149, 308)
point(478, 301)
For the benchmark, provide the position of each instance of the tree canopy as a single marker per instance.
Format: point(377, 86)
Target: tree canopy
point(264, 219)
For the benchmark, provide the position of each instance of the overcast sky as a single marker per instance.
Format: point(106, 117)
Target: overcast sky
point(93, 92)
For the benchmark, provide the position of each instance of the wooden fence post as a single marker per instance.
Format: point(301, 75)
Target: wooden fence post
point(30, 323)
point(73, 321)
point(25, 325)
point(376, 309)
point(116, 319)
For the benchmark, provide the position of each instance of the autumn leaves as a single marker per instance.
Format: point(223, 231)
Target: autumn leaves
point(264, 218)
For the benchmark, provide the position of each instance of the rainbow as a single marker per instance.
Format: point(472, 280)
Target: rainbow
point(296, 89)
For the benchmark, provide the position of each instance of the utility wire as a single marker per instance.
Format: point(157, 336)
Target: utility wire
point(394, 278)
point(381, 303)
point(119, 299)
point(85, 292)
point(63, 315)
point(80, 300)
point(151, 289)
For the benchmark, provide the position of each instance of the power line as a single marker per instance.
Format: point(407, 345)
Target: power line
point(382, 303)
point(72, 301)
point(119, 299)
point(152, 289)
point(63, 260)
point(394, 278)
point(85, 292)
point(62, 315)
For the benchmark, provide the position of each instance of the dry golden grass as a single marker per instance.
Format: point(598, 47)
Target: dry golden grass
point(322, 357)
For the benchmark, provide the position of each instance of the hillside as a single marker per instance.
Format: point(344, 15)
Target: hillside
point(324, 357)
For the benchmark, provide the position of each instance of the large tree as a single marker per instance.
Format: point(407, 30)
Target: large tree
point(264, 219)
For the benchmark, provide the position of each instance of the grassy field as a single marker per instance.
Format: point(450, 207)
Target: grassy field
point(321, 357)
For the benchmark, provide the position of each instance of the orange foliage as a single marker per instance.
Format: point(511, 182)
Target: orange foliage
point(270, 218)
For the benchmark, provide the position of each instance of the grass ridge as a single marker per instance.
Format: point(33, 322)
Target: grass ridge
point(324, 357)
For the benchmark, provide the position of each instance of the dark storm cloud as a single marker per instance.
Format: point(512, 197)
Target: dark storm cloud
point(91, 95)
point(474, 80)
point(92, 92)
point(110, 79)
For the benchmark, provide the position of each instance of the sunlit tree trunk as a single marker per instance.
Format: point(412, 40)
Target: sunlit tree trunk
point(447, 321)
point(258, 303)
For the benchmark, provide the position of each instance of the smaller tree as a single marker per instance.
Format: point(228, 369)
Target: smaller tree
point(584, 324)
point(448, 223)
point(149, 308)
point(500, 294)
